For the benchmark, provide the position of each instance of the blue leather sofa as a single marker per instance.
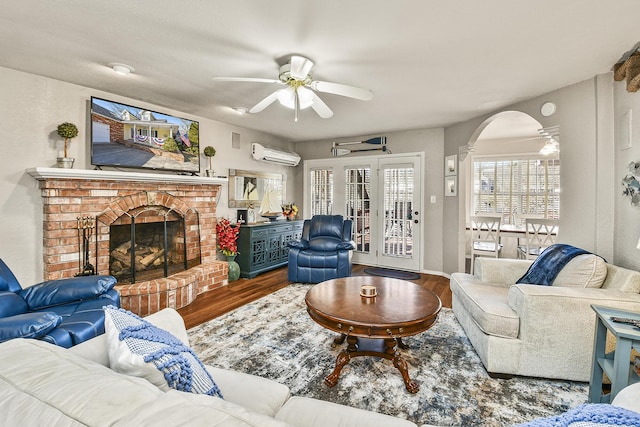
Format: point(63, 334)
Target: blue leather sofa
point(323, 252)
point(64, 312)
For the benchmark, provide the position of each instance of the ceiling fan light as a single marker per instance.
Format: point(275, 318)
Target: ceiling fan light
point(287, 97)
point(305, 96)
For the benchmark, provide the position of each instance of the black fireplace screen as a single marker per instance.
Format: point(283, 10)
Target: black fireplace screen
point(152, 242)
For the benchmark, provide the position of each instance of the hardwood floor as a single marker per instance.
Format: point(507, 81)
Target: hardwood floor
point(243, 291)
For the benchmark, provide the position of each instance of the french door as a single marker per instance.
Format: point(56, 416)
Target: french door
point(399, 190)
point(381, 195)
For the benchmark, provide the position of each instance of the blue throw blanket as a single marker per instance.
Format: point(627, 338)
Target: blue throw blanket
point(590, 414)
point(546, 267)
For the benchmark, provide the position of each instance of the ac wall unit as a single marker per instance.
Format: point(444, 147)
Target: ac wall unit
point(274, 155)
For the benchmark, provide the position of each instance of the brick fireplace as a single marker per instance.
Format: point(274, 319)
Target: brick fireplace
point(111, 199)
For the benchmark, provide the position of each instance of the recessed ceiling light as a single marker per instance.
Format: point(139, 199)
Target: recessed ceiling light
point(547, 109)
point(123, 69)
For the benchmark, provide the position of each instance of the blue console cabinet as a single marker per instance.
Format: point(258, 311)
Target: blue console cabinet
point(263, 246)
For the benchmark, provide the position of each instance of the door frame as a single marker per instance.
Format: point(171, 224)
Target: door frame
point(414, 262)
point(338, 165)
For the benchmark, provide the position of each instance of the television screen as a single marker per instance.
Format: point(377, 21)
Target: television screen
point(133, 137)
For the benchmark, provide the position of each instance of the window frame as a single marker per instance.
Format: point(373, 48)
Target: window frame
point(550, 194)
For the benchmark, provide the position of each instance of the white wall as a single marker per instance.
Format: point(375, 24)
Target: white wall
point(427, 141)
point(627, 218)
point(31, 108)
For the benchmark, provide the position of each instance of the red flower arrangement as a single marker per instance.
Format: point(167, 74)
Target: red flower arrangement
point(227, 236)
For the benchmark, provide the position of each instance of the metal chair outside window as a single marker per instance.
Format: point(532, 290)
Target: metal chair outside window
point(539, 235)
point(485, 237)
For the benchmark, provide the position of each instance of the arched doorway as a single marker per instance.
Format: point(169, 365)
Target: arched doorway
point(505, 135)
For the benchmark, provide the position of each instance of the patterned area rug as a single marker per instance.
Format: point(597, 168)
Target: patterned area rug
point(275, 338)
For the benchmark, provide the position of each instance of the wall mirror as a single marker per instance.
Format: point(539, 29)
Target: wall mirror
point(248, 188)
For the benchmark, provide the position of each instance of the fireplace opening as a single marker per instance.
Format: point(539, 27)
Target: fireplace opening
point(149, 243)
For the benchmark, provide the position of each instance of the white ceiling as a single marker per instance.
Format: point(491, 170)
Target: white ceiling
point(430, 63)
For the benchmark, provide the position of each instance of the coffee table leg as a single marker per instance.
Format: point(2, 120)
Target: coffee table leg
point(340, 339)
point(401, 364)
point(342, 359)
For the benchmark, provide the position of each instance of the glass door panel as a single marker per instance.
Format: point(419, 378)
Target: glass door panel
point(358, 205)
point(321, 191)
point(400, 187)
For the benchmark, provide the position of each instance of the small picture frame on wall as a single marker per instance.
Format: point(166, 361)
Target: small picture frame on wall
point(451, 165)
point(450, 186)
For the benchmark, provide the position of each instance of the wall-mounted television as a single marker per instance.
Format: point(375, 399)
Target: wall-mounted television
point(126, 136)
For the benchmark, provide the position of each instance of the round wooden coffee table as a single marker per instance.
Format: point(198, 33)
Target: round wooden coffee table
point(372, 326)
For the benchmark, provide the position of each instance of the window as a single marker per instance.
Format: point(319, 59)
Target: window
point(321, 191)
point(516, 187)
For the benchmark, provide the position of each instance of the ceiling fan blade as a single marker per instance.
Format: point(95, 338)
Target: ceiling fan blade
point(300, 67)
point(264, 103)
point(342, 90)
point(244, 79)
point(320, 107)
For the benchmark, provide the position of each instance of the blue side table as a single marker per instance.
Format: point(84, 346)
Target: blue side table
point(615, 364)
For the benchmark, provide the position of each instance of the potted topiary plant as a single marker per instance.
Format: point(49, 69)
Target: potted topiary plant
point(209, 151)
point(67, 131)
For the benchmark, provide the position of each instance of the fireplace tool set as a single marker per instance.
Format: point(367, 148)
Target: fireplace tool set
point(86, 228)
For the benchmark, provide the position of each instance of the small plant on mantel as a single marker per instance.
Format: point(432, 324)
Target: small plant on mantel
point(209, 151)
point(67, 131)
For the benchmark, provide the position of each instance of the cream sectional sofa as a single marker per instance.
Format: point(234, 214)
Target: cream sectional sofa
point(43, 384)
point(534, 330)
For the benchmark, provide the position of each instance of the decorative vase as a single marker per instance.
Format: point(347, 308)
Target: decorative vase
point(234, 268)
point(210, 173)
point(65, 162)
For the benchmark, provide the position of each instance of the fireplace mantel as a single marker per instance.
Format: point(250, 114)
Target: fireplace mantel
point(41, 174)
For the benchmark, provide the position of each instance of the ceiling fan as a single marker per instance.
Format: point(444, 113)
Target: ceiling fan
point(300, 90)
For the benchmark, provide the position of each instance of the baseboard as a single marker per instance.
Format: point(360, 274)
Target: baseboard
point(436, 273)
point(433, 272)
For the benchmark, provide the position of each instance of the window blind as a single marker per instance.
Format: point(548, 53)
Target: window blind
point(517, 187)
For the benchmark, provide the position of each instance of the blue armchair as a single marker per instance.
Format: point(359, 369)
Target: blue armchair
point(323, 252)
point(64, 312)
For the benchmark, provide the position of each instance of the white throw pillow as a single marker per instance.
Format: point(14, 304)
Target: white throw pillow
point(584, 271)
point(140, 349)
